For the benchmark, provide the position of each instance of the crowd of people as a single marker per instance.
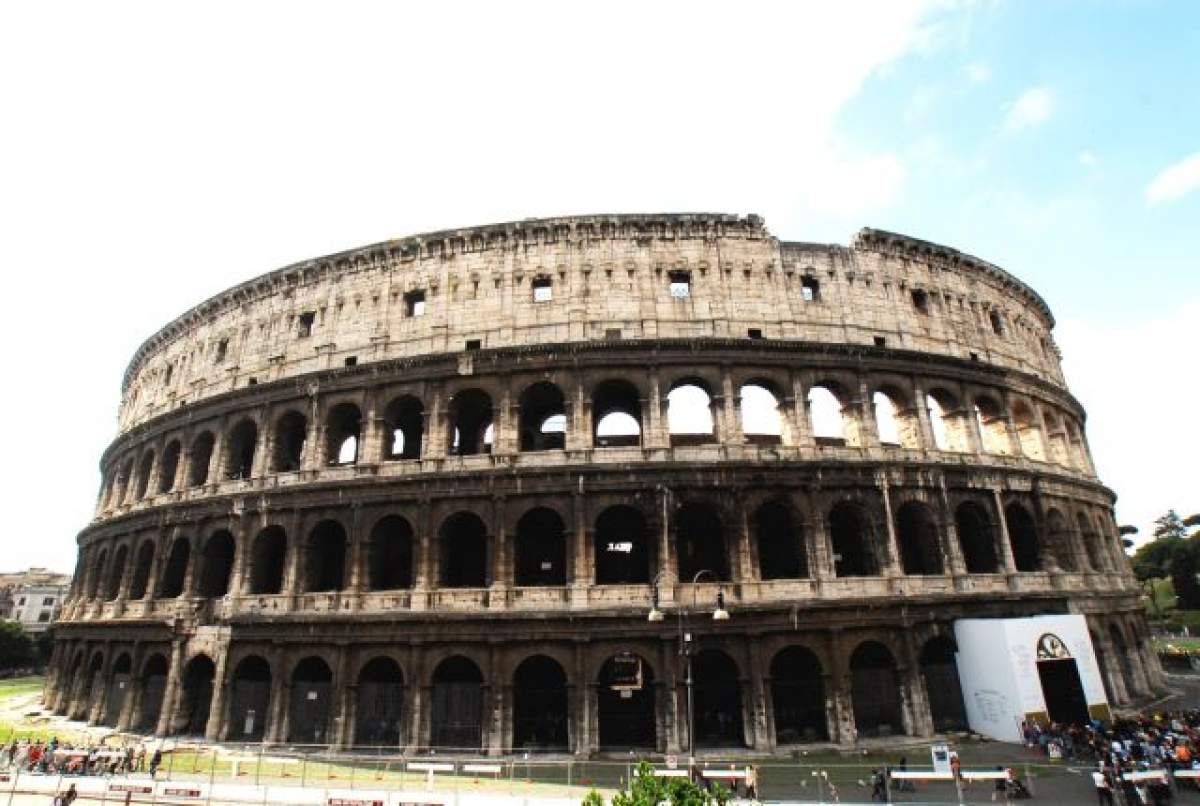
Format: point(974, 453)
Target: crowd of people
point(58, 758)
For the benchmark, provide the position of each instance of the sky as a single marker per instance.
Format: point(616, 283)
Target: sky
point(153, 154)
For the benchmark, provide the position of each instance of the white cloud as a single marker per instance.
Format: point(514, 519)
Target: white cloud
point(1087, 159)
point(1175, 181)
point(978, 73)
point(1031, 109)
point(1133, 379)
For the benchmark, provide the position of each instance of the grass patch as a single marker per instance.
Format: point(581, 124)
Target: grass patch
point(17, 686)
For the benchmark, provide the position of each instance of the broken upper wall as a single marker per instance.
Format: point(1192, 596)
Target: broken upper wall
point(580, 278)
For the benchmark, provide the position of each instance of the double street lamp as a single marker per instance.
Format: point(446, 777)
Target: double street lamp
point(719, 613)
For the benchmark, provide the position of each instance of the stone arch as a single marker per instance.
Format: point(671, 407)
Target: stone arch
point(895, 418)
point(268, 560)
point(216, 564)
point(1122, 650)
point(325, 557)
point(390, 554)
point(470, 430)
point(875, 691)
point(763, 422)
point(343, 433)
point(312, 702)
point(1092, 543)
point(1056, 438)
point(96, 573)
point(852, 539)
point(917, 535)
point(540, 549)
point(717, 698)
point(976, 536)
point(379, 721)
point(250, 699)
point(169, 466)
point(616, 414)
point(1023, 535)
point(690, 416)
point(153, 687)
point(463, 556)
point(143, 566)
point(119, 680)
point(827, 415)
point(174, 573)
point(939, 670)
point(201, 458)
point(622, 547)
point(457, 705)
point(240, 445)
point(798, 696)
point(116, 572)
point(993, 426)
point(145, 469)
point(625, 703)
point(780, 542)
point(540, 712)
point(1029, 433)
point(196, 697)
point(1060, 540)
point(94, 682)
point(291, 435)
point(404, 426)
point(946, 422)
point(543, 419)
point(700, 541)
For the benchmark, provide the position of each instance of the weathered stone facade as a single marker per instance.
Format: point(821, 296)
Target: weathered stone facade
point(423, 493)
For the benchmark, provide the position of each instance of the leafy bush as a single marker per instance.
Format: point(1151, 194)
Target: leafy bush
point(646, 789)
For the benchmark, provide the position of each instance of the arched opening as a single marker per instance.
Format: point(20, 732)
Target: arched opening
point(141, 570)
point(617, 414)
point(875, 690)
point(1091, 542)
point(250, 700)
point(1078, 452)
point(1028, 432)
point(471, 429)
point(543, 422)
point(621, 547)
point(154, 685)
point(917, 534)
point(124, 479)
point(457, 708)
point(825, 416)
point(1022, 534)
point(976, 537)
point(895, 420)
point(1121, 650)
point(202, 448)
point(95, 573)
point(540, 706)
point(1061, 541)
point(239, 451)
point(781, 553)
point(940, 673)
point(325, 558)
point(343, 430)
point(380, 715)
point(993, 427)
point(169, 466)
point(175, 571)
point(717, 700)
point(948, 431)
point(390, 555)
point(217, 564)
point(463, 552)
point(625, 703)
point(291, 432)
point(118, 690)
point(312, 695)
point(196, 701)
point(144, 471)
point(762, 422)
point(700, 542)
point(1062, 689)
point(404, 421)
point(1056, 437)
point(94, 684)
point(798, 695)
point(116, 573)
point(267, 561)
point(852, 539)
point(541, 549)
point(689, 414)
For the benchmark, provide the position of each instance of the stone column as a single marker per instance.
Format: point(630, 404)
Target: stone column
point(666, 700)
point(133, 695)
point(839, 689)
point(655, 432)
point(761, 714)
point(745, 569)
point(728, 422)
point(370, 440)
point(667, 561)
point(924, 425)
point(436, 441)
point(313, 455)
point(821, 564)
point(96, 711)
point(797, 409)
point(1005, 547)
point(215, 728)
point(948, 529)
point(893, 566)
point(867, 425)
point(919, 698)
point(579, 419)
point(340, 714)
point(293, 576)
point(170, 701)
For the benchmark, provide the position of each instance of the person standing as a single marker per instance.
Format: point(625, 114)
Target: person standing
point(1103, 790)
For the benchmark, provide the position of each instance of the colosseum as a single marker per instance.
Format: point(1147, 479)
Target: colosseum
point(587, 484)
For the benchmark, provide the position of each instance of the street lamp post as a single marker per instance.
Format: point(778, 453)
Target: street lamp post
point(685, 641)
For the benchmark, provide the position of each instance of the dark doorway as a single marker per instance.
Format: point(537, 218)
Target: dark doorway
point(917, 534)
point(154, 685)
point(308, 721)
point(540, 706)
point(976, 539)
point(621, 547)
point(343, 430)
point(175, 571)
point(202, 448)
point(141, 571)
point(325, 560)
point(780, 544)
point(250, 700)
point(380, 704)
point(197, 695)
point(700, 542)
point(875, 689)
point(541, 549)
point(118, 690)
point(291, 432)
point(1022, 533)
point(267, 560)
point(543, 422)
point(389, 555)
point(939, 670)
point(717, 700)
point(850, 535)
point(404, 420)
point(239, 455)
point(798, 693)
point(217, 564)
point(463, 552)
point(471, 429)
point(457, 707)
point(626, 703)
point(1063, 691)
point(616, 415)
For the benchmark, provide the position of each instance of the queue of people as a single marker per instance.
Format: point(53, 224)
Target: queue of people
point(58, 758)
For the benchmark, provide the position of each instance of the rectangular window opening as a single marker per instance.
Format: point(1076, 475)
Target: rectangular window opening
point(880, 341)
point(222, 348)
point(612, 333)
point(920, 301)
point(252, 382)
point(810, 289)
point(474, 344)
point(414, 304)
point(306, 321)
point(754, 333)
point(351, 360)
point(542, 290)
point(681, 284)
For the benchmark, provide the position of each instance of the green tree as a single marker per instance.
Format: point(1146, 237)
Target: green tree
point(16, 647)
point(1173, 553)
point(647, 789)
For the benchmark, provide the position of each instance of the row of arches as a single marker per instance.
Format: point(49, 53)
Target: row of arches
point(624, 548)
point(892, 414)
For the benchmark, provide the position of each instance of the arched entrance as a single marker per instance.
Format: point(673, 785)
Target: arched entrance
point(917, 534)
point(250, 698)
point(1022, 533)
point(622, 548)
point(625, 703)
point(540, 549)
point(700, 542)
point(1061, 687)
point(457, 720)
point(380, 713)
point(875, 689)
point(154, 685)
point(717, 700)
point(308, 720)
point(781, 553)
point(975, 537)
point(850, 535)
point(798, 694)
point(197, 695)
point(118, 690)
point(540, 705)
point(939, 670)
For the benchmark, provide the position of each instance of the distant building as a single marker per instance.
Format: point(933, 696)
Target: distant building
point(33, 598)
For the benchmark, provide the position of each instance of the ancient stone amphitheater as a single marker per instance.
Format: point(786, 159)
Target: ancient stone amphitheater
point(485, 489)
